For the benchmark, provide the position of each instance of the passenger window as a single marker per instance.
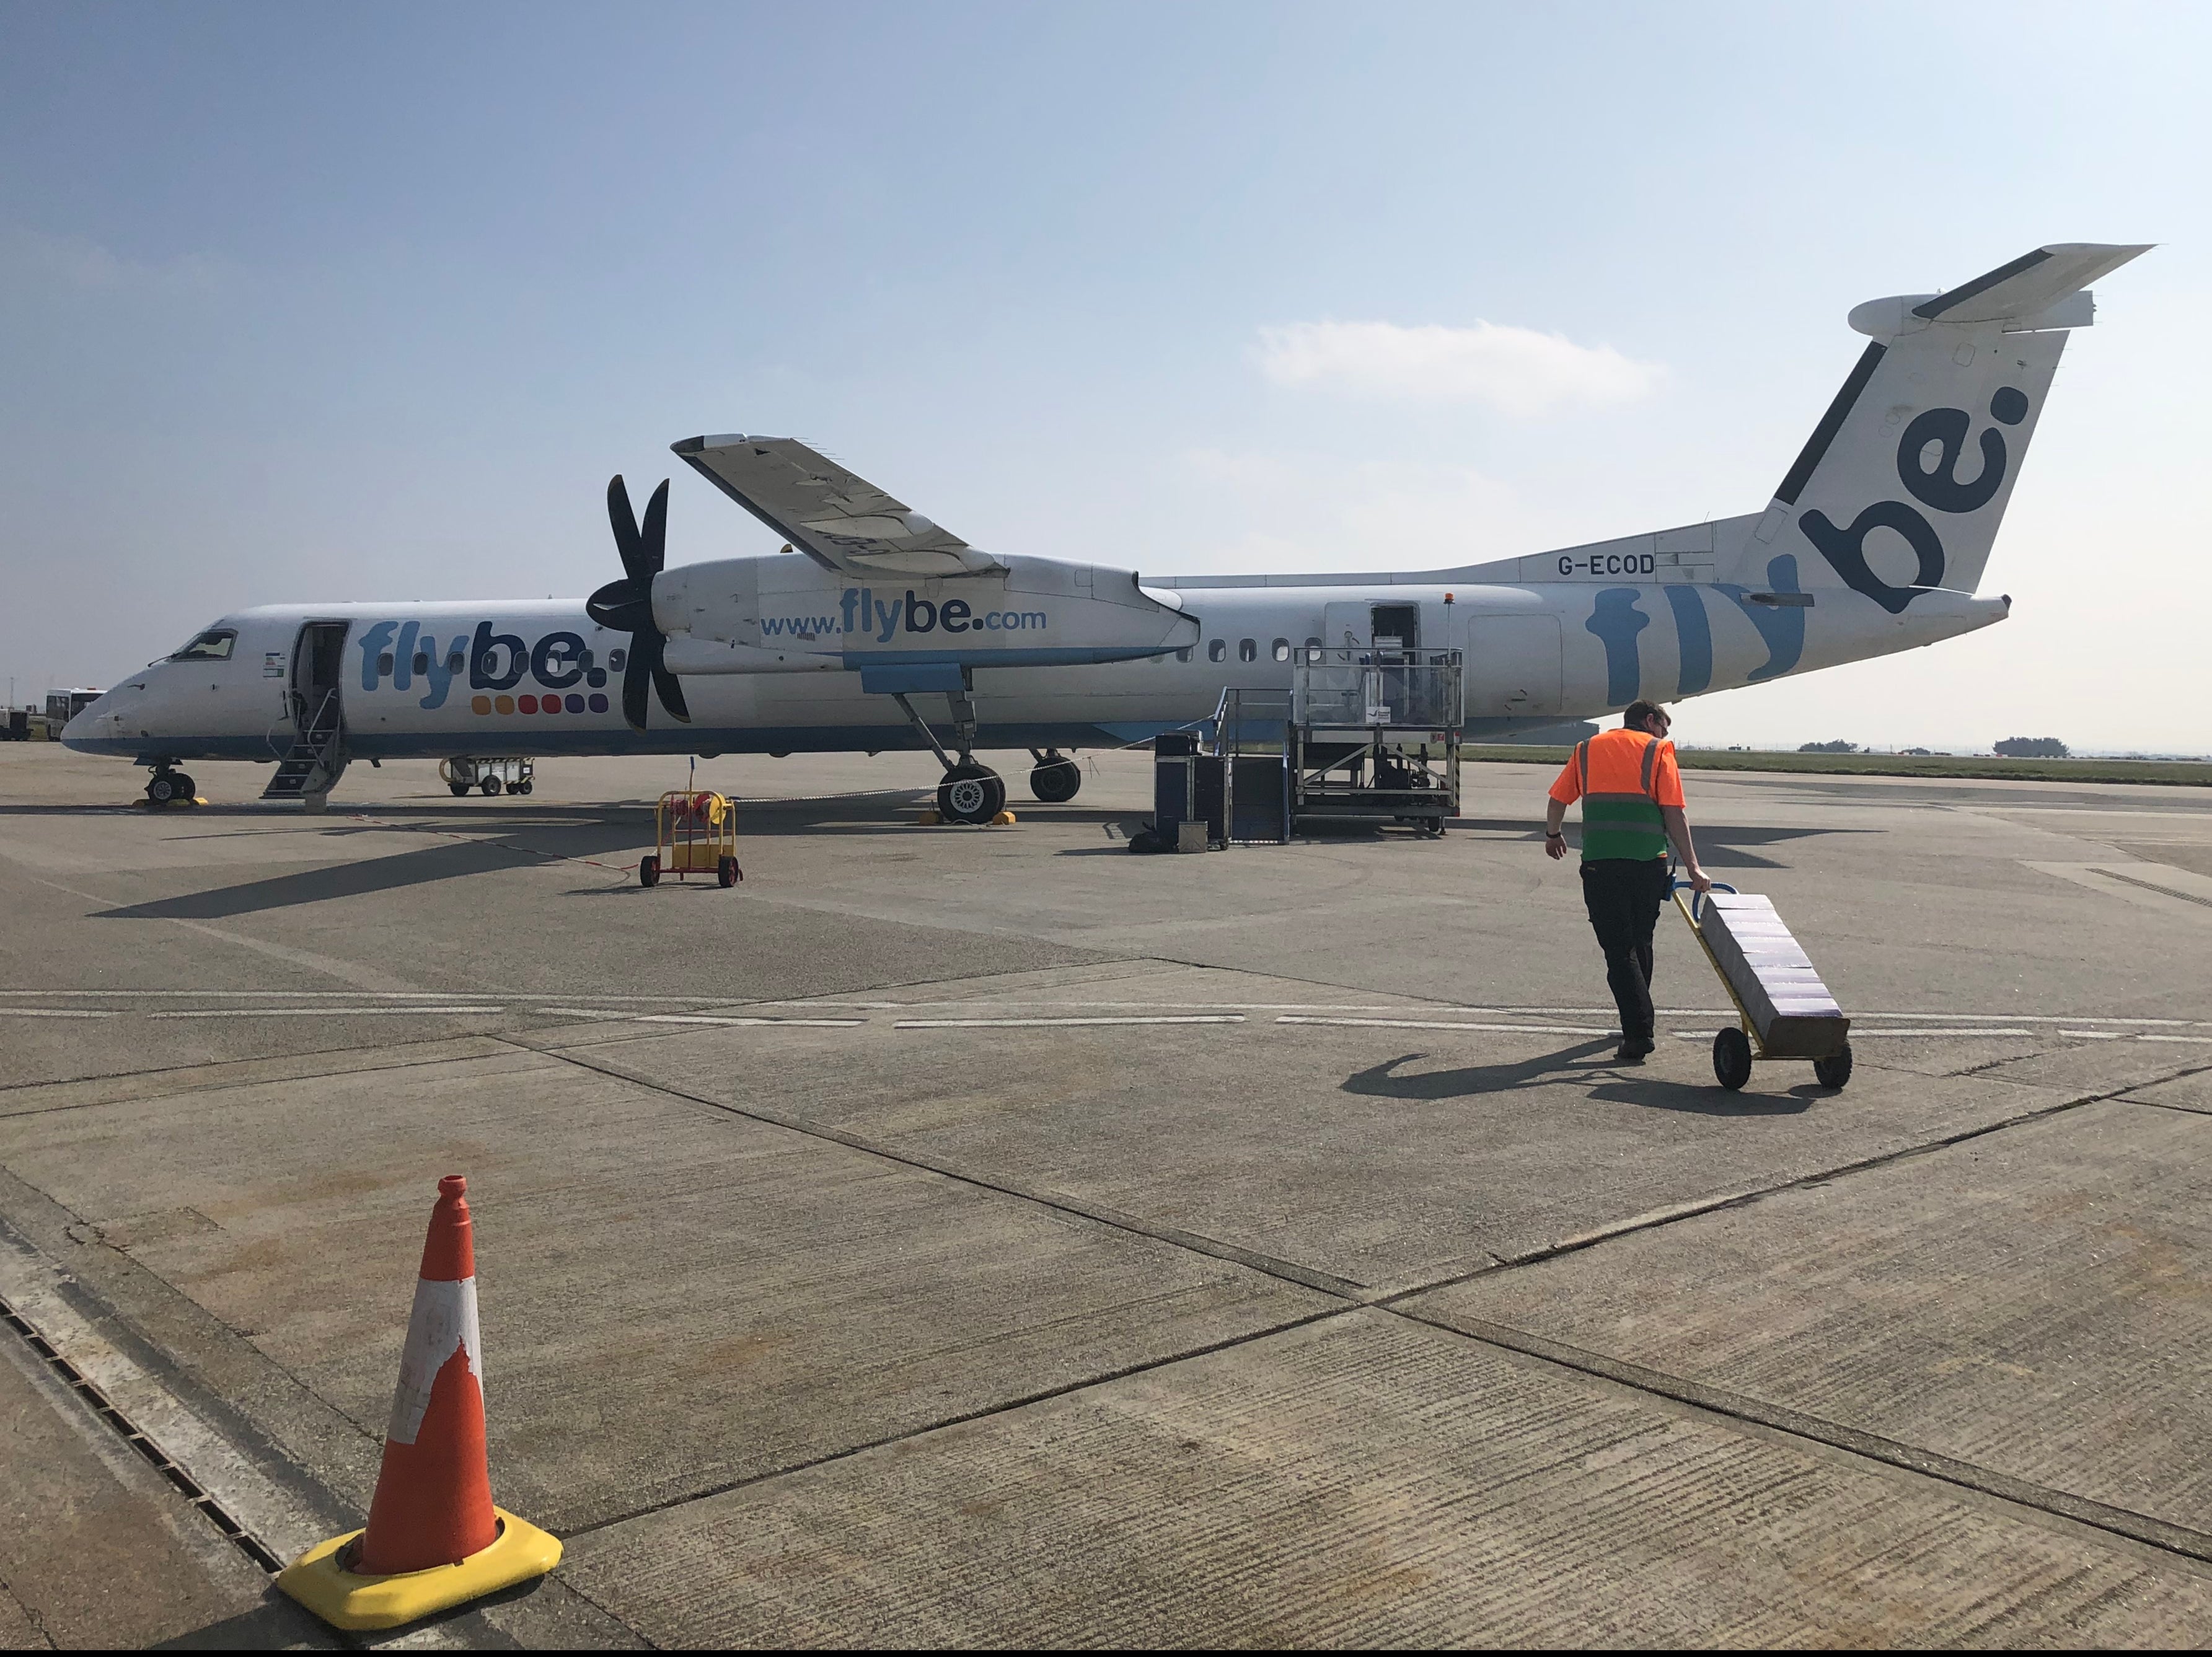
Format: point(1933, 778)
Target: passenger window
point(1183, 655)
point(584, 661)
point(617, 659)
point(213, 646)
point(1313, 650)
point(1248, 651)
point(422, 662)
point(1218, 651)
point(384, 663)
point(455, 662)
point(1282, 650)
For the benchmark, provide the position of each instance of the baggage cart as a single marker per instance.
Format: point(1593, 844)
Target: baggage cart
point(1783, 1009)
point(487, 774)
point(694, 833)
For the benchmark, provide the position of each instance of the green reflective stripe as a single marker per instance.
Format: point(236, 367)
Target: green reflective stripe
point(1622, 826)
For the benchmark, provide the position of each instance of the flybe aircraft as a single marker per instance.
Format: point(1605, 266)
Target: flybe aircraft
point(874, 629)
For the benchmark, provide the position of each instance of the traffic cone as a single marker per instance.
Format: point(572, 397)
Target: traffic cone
point(435, 1540)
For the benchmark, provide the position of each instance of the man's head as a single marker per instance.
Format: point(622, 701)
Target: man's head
point(1647, 716)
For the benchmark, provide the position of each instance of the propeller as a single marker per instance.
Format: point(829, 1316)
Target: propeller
point(627, 605)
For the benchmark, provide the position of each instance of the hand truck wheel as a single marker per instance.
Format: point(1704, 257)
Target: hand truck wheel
point(1732, 1059)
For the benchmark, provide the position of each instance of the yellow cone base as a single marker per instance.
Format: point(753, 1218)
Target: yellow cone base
point(347, 1601)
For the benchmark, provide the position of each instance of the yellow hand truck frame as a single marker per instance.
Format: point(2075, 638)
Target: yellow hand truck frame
point(694, 833)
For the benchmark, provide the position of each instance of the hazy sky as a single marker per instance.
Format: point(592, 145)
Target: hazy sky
point(324, 302)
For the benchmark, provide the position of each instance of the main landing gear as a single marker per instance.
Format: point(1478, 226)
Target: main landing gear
point(1056, 777)
point(170, 787)
point(971, 793)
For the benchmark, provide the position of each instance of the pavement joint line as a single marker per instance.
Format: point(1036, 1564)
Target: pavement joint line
point(966, 1417)
point(2160, 1534)
point(324, 1053)
point(1266, 1265)
point(2152, 886)
point(1060, 1023)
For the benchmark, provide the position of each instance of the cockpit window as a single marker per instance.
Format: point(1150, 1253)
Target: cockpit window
point(213, 646)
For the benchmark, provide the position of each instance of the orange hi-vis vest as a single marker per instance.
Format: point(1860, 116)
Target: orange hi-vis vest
point(1622, 778)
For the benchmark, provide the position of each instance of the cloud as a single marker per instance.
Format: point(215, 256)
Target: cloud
point(1518, 371)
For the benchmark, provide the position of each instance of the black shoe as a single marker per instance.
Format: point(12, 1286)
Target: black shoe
point(1633, 1051)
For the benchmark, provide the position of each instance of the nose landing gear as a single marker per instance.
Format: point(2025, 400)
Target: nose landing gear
point(170, 787)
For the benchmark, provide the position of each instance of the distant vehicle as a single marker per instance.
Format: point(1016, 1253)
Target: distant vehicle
point(1874, 542)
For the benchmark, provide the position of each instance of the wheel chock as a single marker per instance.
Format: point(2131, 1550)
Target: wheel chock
point(1004, 820)
point(928, 819)
point(346, 1599)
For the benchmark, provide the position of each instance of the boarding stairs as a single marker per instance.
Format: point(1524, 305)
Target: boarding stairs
point(317, 757)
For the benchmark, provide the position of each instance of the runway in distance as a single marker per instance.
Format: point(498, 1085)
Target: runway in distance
point(1875, 542)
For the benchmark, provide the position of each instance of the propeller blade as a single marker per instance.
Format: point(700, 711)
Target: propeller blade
point(637, 677)
point(672, 691)
point(628, 543)
point(655, 534)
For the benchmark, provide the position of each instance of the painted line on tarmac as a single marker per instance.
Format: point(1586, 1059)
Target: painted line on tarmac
point(1443, 1024)
point(1981, 1031)
point(1058, 1023)
point(328, 1012)
point(696, 1018)
point(54, 1012)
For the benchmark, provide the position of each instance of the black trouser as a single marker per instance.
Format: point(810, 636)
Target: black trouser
point(1623, 895)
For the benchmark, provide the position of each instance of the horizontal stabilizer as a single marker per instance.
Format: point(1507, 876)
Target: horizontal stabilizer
point(2042, 290)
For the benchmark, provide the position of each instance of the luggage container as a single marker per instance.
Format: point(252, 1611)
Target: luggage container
point(1783, 1010)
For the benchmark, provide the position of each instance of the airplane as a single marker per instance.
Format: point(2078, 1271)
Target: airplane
point(1875, 542)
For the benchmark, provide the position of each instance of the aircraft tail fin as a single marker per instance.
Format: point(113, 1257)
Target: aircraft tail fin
point(1902, 485)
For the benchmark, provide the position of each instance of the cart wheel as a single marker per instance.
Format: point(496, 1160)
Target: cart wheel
point(648, 871)
point(488, 786)
point(1834, 1073)
point(525, 785)
point(1732, 1059)
point(458, 789)
point(726, 872)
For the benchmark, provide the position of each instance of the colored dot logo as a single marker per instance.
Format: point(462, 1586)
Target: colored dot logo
point(527, 703)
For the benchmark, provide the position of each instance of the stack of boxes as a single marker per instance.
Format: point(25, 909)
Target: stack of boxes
point(1791, 1009)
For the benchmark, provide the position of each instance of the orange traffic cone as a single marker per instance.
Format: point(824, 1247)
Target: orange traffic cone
point(433, 1538)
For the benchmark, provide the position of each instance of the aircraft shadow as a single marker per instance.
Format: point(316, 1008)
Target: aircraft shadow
point(1719, 846)
point(1619, 1085)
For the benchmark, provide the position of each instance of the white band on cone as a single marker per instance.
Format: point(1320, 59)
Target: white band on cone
point(444, 1317)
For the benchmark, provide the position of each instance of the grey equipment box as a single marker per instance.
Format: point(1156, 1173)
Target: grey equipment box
point(1790, 1008)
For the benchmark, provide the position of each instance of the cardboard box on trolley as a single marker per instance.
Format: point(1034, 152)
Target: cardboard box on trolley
point(1795, 1015)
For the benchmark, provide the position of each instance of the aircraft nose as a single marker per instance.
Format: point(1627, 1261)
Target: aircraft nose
point(100, 718)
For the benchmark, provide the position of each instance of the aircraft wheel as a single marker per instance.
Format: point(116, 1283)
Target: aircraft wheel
point(1834, 1073)
point(488, 786)
point(1055, 781)
point(1732, 1059)
point(726, 872)
point(648, 871)
point(162, 787)
point(971, 794)
point(456, 789)
point(186, 788)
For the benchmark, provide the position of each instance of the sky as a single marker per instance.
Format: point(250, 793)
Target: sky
point(313, 303)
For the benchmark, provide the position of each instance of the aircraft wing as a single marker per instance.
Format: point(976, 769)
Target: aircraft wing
point(842, 522)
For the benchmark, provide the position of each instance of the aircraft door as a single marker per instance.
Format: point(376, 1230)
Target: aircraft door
point(318, 667)
point(1397, 632)
point(1513, 665)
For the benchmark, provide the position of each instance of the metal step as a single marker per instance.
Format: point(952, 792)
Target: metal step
point(308, 770)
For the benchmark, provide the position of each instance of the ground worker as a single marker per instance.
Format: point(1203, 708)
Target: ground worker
point(1632, 795)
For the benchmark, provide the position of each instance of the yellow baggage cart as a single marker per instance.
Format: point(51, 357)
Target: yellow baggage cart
point(694, 833)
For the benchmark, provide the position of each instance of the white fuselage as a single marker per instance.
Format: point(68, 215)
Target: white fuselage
point(437, 680)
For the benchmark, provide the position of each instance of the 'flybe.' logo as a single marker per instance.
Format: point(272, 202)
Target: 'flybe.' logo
point(862, 614)
point(1928, 456)
point(495, 662)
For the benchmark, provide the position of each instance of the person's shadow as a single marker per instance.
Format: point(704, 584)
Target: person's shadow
point(1588, 1059)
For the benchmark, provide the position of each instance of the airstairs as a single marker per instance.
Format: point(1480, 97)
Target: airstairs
point(317, 758)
